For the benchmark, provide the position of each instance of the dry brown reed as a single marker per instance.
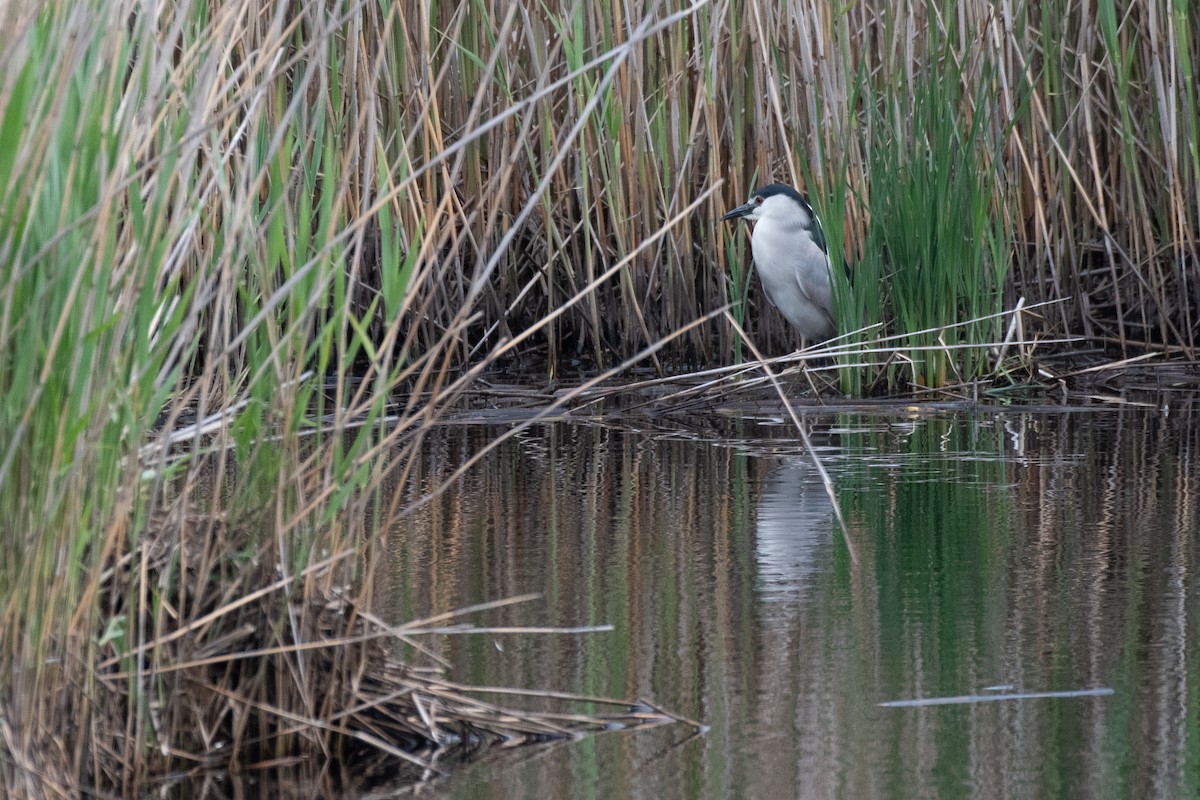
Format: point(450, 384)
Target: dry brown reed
point(252, 251)
point(239, 688)
point(1098, 170)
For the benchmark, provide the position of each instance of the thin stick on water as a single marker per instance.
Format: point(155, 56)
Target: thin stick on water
point(971, 699)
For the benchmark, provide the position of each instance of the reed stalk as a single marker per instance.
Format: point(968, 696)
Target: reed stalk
point(250, 252)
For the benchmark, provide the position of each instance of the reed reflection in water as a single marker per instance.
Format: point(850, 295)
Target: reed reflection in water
point(1044, 552)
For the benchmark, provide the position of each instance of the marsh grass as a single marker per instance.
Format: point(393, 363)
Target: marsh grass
point(933, 240)
point(250, 252)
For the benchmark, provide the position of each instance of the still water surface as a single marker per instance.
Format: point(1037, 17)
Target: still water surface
point(1034, 552)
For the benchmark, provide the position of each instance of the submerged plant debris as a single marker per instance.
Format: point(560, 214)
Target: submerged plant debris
point(228, 657)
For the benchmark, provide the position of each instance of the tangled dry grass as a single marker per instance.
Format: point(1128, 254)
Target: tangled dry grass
point(250, 251)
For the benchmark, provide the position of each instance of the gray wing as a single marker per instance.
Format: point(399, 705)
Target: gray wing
point(813, 278)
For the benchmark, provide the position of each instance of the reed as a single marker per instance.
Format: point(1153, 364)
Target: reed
point(250, 252)
point(932, 240)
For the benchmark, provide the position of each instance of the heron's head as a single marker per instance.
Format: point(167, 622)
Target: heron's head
point(778, 204)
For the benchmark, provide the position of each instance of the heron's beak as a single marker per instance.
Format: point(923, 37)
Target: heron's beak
point(740, 211)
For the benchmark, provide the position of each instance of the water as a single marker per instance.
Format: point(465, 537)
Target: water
point(1009, 552)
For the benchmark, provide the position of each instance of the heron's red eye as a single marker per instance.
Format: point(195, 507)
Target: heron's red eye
point(758, 200)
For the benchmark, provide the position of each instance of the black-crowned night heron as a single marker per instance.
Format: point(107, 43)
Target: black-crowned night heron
point(791, 258)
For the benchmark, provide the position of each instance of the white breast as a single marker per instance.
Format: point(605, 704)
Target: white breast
point(795, 275)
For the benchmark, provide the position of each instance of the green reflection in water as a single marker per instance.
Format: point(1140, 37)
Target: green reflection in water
point(1041, 552)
